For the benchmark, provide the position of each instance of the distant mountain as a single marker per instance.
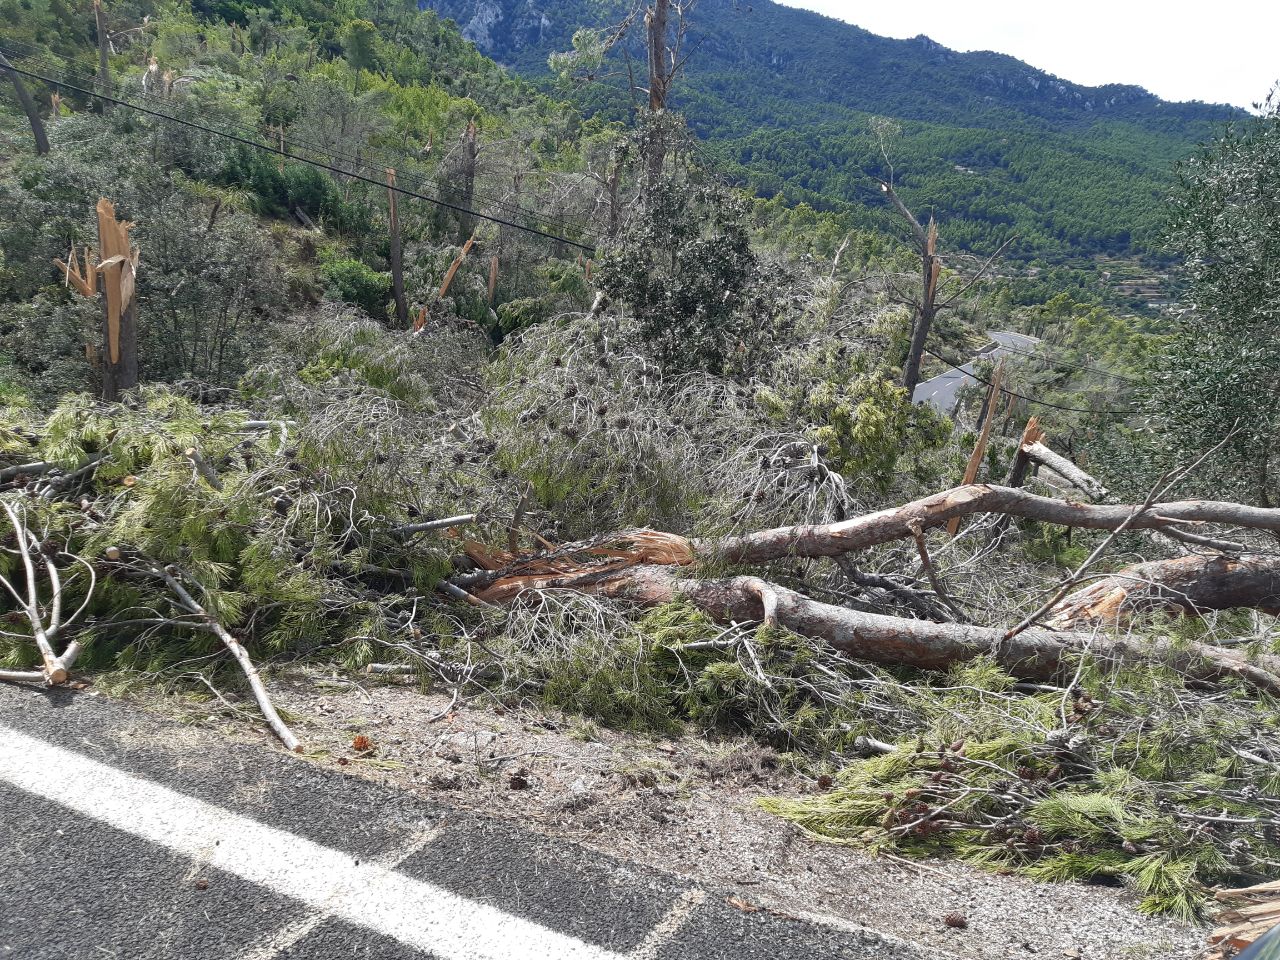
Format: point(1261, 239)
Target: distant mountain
point(991, 144)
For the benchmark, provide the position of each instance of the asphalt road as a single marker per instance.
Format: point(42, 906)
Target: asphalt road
point(942, 390)
point(123, 836)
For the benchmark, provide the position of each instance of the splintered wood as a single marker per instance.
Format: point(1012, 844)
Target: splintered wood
point(113, 273)
point(1250, 914)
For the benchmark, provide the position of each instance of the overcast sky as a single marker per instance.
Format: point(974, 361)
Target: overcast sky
point(1222, 52)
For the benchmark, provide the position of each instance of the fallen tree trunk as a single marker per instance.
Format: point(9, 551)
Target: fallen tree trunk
point(885, 526)
point(1039, 453)
point(1192, 585)
point(1034, 654)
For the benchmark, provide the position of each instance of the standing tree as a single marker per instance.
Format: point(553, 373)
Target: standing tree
point(666, 26)
point(104, 49)
point(1220, 373)
point(28, 106)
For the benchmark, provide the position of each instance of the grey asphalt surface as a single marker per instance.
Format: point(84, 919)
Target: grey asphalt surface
point(72, 887)
point(942, 390)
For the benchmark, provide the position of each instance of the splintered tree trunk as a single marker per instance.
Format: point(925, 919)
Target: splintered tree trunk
point(397, 257)
point(119, 338)
point(470, 156)
point(926, 311)
point(117, 276)
point(28, 106)
point(104, 47)
point(1191, 585)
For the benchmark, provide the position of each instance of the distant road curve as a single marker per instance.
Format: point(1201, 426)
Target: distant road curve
point(943, 389)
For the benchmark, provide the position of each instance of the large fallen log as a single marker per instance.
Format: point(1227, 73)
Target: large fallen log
point(1192, 585)
point(885, 526)
point(1034, 654)
point(641, 566)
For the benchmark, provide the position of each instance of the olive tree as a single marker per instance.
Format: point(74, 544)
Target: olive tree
point(1220, 372)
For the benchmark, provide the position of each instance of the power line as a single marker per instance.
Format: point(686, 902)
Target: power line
point(1068, 363)
point(547, 222)
point(1021, 396)
point(300, 159)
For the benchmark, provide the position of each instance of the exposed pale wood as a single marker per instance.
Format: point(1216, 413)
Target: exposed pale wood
point(1034, 654)
point(1017, 474)
point(203, 467)
point(984, 435)
point(237, 650)
point(408, 529)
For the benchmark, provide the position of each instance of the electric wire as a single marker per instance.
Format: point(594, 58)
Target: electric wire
point(268, 148)
point(1023, 396)
point(90, 79)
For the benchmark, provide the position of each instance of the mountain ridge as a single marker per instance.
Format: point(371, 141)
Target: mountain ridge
point(1074, 166)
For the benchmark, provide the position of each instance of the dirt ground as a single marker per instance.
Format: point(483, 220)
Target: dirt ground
point(687, 806)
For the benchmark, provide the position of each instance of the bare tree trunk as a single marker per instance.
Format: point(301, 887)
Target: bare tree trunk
point(655, 21)
point(28, 106)
point(1034, 654)
point(926, 309)
point(470, 156)
point(104, 46)
point(1191, 585)
point(611, 187)
point(656, 18)
point(397, 259)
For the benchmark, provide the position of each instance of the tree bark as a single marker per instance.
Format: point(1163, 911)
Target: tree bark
point(1038, 453)
point(1035, 654)
point(859, 533)
point(397, 258)
point(1192, 585)
point(28, 106)
point(104, 48)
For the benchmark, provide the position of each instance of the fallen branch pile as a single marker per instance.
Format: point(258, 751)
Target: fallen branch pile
point(640, 566)
point(199, 541)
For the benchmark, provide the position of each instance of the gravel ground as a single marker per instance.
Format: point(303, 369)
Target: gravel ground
point(687, 806)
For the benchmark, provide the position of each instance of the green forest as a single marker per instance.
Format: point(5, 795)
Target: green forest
point(782, 98)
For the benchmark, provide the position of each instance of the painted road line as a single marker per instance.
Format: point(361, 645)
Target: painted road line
point(669, 926)
point(416, 913)
point(291, 934)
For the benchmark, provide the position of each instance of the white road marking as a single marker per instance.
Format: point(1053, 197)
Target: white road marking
point(669, 925)
point(291, 934)
point(414, 912)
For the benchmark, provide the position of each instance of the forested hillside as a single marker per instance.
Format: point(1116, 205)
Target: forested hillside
point(783, 97)
point(332, 352)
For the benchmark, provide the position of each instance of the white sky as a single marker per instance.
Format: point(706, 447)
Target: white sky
point(1222, 52)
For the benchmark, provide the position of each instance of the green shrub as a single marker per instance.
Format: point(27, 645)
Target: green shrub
point(358, 284)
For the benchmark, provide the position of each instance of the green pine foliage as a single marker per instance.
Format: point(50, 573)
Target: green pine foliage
point(1067, 785)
